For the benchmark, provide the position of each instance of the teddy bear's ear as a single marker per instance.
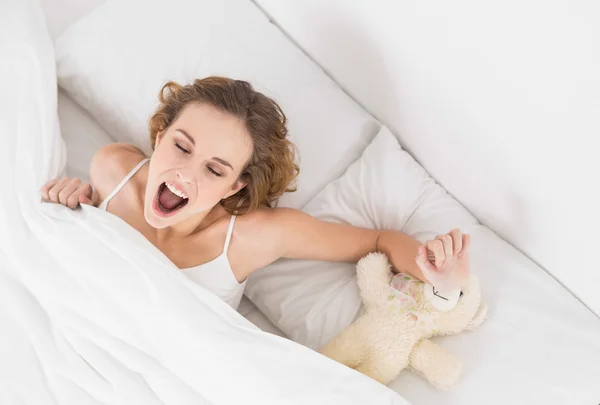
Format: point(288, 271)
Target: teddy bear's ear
point(478, 318)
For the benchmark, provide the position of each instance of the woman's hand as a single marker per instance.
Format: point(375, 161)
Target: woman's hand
point(69, 192)
point(444, 261)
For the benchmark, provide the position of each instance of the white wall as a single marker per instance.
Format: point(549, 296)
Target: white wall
point(500, 102)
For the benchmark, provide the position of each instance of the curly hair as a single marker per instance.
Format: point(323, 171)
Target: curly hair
point(271, 169)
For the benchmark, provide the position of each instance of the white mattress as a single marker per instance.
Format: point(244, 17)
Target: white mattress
point(83, 136)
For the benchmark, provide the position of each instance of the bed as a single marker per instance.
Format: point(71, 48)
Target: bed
point(539, 344)
point(529, 326)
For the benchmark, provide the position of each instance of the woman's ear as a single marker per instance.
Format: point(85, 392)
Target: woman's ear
point(237, 186)
point(158, 138)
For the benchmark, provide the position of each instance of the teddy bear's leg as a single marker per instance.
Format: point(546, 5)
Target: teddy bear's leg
point(347, 348)
point(382, 367)
point(435, 364)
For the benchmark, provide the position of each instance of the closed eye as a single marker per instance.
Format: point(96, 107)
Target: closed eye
point(182, 148)
point(214, 172)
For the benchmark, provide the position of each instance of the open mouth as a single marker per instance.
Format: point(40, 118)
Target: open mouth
point(167, 203)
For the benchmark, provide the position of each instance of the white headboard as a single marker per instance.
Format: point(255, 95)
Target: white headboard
point(499, 101)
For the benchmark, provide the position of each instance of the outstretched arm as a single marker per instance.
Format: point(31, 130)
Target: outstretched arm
point(301, 236)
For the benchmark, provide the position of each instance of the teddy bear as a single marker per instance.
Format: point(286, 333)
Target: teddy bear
point(400, 315)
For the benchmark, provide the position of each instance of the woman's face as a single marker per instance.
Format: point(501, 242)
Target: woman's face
point(196, 162)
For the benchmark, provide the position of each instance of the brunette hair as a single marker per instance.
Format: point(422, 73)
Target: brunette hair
point(271, 169)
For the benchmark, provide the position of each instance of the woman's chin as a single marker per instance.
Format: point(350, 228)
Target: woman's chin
point(154, 220)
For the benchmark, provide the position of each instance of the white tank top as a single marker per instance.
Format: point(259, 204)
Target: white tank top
point(215, 275)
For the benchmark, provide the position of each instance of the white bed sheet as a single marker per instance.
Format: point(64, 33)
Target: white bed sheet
point(539, 344)
point(83, 136)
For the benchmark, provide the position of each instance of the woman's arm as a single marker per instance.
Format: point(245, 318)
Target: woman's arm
point(300, 236)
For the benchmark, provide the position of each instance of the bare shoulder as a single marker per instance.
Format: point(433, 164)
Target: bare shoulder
point(271, 220)
point(257, 239)
point(277, 225)
point(111, 163)
point(268, 230)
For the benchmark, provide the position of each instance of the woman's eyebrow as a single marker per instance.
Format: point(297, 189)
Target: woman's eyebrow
point(223, 162)
point(188, 136)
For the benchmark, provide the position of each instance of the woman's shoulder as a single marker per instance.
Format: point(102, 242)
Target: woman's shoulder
point(118, 154)
point(265, 223)
point(257, 239)
point(264, 214)
point(112, 163)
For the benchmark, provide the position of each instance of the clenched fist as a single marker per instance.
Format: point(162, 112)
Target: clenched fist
point(444, 260)
point(69, 192)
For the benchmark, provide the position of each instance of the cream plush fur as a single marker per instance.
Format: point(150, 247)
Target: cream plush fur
point(390, 336)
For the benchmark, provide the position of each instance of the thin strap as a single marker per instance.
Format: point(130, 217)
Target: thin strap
point(104, 204)
point(229, 232)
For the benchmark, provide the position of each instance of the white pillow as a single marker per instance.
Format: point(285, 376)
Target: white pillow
point(115, 60)
point(311, 301)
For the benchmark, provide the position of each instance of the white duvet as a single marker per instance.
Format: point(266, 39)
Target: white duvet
point(91, 312)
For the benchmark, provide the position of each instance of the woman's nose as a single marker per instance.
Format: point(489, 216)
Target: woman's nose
point(184, 176)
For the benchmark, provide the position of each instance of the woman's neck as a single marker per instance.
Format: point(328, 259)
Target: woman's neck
point(191, 225)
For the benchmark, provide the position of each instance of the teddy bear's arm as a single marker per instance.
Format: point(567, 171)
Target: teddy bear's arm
point(373, 275)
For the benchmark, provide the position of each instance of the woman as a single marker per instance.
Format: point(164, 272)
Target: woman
point(205, 197)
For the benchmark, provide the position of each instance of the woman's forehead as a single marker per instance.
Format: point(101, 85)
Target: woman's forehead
point(210, 127)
